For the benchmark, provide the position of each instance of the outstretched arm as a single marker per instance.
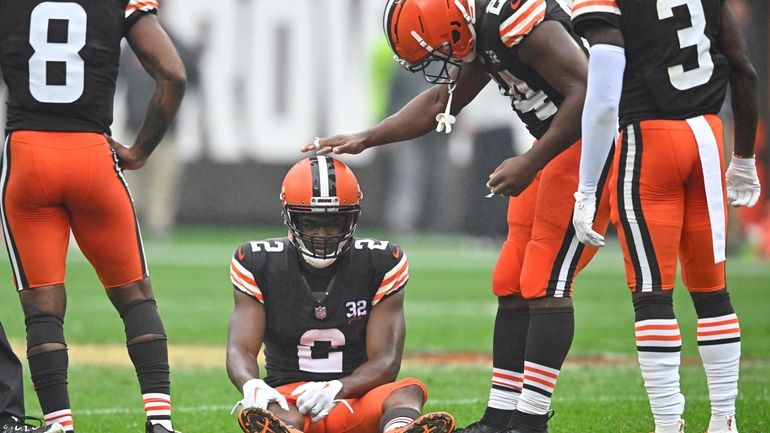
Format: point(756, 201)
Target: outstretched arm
point(157, 54)
point(416, 118)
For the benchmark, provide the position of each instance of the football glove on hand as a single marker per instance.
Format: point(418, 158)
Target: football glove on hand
point(317, 398)
point(742, 182)
point(583, 220)
point(256, 393)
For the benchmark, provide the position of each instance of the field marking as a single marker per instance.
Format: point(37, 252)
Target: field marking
point(431, 402)
point(189, 356)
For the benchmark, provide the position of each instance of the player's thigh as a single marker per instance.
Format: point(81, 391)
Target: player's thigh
point(553, 256)
point(648, 201)
point(521, 214)
point(35, 224)
point(105, 226)
point(703, 234)
point(366, 410)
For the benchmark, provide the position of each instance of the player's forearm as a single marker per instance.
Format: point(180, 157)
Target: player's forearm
point(745, 102)
point(415, 119)
point(563, 132)
point(241, 366)
point(160, 112)
point(368, 376)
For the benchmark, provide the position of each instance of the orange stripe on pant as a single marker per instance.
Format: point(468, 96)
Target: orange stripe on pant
point(367, 409)
point(659, 206)
point(57, 181)
point(541, 255)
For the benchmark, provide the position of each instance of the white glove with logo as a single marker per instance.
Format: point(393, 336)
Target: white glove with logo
point(742, 182)
point(583, 220)
point(256, 393)
point(317, 398)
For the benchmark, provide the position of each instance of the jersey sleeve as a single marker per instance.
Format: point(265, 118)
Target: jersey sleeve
point(242, 269)
point(396, 267)
point(588, 11)
point(526, 15)
point(136, 8)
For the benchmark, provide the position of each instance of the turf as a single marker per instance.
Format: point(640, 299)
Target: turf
point(449, 309)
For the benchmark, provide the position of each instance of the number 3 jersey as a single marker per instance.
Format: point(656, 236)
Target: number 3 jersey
point(60, 61)
point(673, 67)
point(504, 25)
point(316, 338)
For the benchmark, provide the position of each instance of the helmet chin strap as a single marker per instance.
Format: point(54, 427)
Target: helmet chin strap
point(318, 263)
point(446, 119)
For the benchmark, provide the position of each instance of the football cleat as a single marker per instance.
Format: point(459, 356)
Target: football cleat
point(256, 420)
point(527, 423)
point(482, 427)
point(157, 428)
point(678, 428)
point(16, 425)
point(434, 422)
point(722, 425)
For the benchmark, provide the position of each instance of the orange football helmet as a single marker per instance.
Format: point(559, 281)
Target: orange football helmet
point(321, 204)
point(421, 32)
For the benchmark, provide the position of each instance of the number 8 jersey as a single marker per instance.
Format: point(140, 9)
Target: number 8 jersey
point(312, 336)
point(60, 61)
point(674, 69)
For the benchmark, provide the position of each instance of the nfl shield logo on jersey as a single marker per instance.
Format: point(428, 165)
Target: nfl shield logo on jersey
point(320, 312)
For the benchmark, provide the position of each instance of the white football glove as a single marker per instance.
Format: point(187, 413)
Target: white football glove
point(317, 398)
point(256, 393)
point(583, 220)
point(742, 182)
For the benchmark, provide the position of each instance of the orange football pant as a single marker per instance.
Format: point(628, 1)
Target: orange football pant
point(541, 256)
point(367, 409)
point(54, 182)
point(660, 206)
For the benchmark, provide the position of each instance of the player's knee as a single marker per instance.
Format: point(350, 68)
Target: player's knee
point(511, 302)
point(654, 305)
point(122, 297)
point(142, 322)
point(45, 333)
point(712, 304)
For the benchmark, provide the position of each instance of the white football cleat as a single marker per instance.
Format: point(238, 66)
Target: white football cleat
point(724, 424)
point(676, 428)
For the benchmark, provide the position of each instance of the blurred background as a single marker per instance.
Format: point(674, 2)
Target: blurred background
point(265, 77)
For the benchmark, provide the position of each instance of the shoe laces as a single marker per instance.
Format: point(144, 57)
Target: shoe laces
point(23, 426)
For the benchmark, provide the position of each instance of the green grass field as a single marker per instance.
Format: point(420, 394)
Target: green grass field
point(449, 310)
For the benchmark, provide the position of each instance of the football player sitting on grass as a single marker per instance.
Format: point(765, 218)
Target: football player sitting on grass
point(329, 309)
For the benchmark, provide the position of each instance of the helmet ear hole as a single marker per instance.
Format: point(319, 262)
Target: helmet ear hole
point(455, 36)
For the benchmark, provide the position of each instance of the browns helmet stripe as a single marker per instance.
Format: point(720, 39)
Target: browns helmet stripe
point(324, 176)
point(387, 20)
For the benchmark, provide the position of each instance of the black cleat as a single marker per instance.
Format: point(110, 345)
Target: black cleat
point(527, 423)
point(16, 425)
point(483, 427)
point(157, 428)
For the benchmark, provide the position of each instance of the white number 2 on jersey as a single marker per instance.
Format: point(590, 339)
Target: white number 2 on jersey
point(688, 37)
point(334, 339)
point(67, 52)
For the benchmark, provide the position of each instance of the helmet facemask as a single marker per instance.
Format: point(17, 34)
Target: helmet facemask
point(321, 232)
